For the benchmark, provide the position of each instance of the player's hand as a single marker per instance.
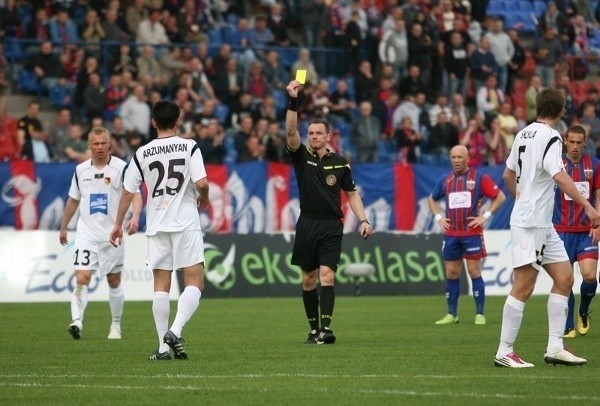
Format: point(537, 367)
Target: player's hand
point(202, 202)
point(475, 222)
point(444, 222)
point(132, 226)
point(365, 230)
point(116, 236)
point(595, 234)
point(593, 215)
point(293, 88)
point(62, 237)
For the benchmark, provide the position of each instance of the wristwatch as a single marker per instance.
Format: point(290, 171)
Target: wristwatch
point(365, 221)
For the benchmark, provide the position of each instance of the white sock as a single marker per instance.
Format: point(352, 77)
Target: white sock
point(116, 300)
point(512, 315)
point(558, 306)
point(161, 309)
point(187, 305)
point(79, 302)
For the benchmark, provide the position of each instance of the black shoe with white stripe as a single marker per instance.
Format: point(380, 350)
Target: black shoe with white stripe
point(176, 344)
point(160, 356)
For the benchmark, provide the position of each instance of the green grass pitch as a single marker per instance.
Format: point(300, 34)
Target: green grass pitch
point(251, 351)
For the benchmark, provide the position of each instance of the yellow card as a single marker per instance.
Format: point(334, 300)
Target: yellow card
point(301, 76)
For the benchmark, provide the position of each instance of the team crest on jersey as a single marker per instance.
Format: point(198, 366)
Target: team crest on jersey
point(588, 173)
point(470, 184)
point(98, 203)
point(107, 180)
point(330, 180)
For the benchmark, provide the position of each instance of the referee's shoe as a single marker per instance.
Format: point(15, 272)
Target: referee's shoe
point(325, 336)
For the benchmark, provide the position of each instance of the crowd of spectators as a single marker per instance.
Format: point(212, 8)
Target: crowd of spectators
point(421, 75)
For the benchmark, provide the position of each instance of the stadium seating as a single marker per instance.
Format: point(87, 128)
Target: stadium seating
point(13, 50)
point(221, 113)
point(231, 157)
point(280, 100)
point(29, 83)
point(539, 7)
point(215, 37)
point(58, 97)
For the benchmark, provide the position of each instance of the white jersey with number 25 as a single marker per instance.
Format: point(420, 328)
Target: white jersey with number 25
point(535, 157)
point(170, 167)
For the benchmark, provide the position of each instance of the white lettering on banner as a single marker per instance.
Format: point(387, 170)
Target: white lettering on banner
point(583, 188)
point(36, 268)
point(459, 200)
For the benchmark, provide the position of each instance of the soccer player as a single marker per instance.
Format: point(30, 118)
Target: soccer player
point(533, 168)
point(321, 176)
point(173, 170)
point(97, 184)
point(463, 191)
point(574, 227)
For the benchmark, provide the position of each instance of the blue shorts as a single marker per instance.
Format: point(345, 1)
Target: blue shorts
point(457, 248)
point(579, 246)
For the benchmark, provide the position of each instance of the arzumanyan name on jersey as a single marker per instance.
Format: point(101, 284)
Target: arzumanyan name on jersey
point(165, 149)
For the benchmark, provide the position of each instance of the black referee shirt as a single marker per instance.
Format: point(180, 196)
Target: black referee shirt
point(320, 182)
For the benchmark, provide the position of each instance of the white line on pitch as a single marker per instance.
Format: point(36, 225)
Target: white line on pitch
point(286, 375)
point(392, 392)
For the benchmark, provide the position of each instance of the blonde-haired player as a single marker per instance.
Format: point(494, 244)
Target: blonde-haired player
point(96, 189)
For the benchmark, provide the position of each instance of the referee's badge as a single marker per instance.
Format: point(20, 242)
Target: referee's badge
point(330, 180)
point(470, 184)
point(588, 173)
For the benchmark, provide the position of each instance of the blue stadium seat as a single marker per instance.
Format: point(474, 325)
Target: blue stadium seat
point(351, 87)
point(288, 56)
point(214, 37)
point(280, 100)
point(595, 40)
point(227, 33)
point(332, 81)
point(525, 18)
point(232, 19)
point(231, 157)
point(525, 6)
point(13, 50)
point(221, 113)
point(495, 8)
point(539, 7)
point(29, 83)
point(344, 130)
point(57, 97)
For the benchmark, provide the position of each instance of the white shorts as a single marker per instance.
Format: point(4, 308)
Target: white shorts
point(101, 257)
point(172, 251)
point(536, 246)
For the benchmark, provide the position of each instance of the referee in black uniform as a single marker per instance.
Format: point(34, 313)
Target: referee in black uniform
point(321, 176)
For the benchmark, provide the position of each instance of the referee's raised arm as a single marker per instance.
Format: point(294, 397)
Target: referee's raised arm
point(291, 117)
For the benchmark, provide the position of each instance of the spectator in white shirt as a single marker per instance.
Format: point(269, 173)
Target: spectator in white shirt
point(151, 31)
point(135, 112)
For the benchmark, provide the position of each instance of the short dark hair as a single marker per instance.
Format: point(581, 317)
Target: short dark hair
point(321, 121)
point(576, 129)
point(165, 114)
point(550, 103)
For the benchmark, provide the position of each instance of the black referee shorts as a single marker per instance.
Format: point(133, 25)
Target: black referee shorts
point(318, 242)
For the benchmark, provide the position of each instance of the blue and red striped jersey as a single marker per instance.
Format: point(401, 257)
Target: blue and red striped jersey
point(464, 195)
point(568, 216)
